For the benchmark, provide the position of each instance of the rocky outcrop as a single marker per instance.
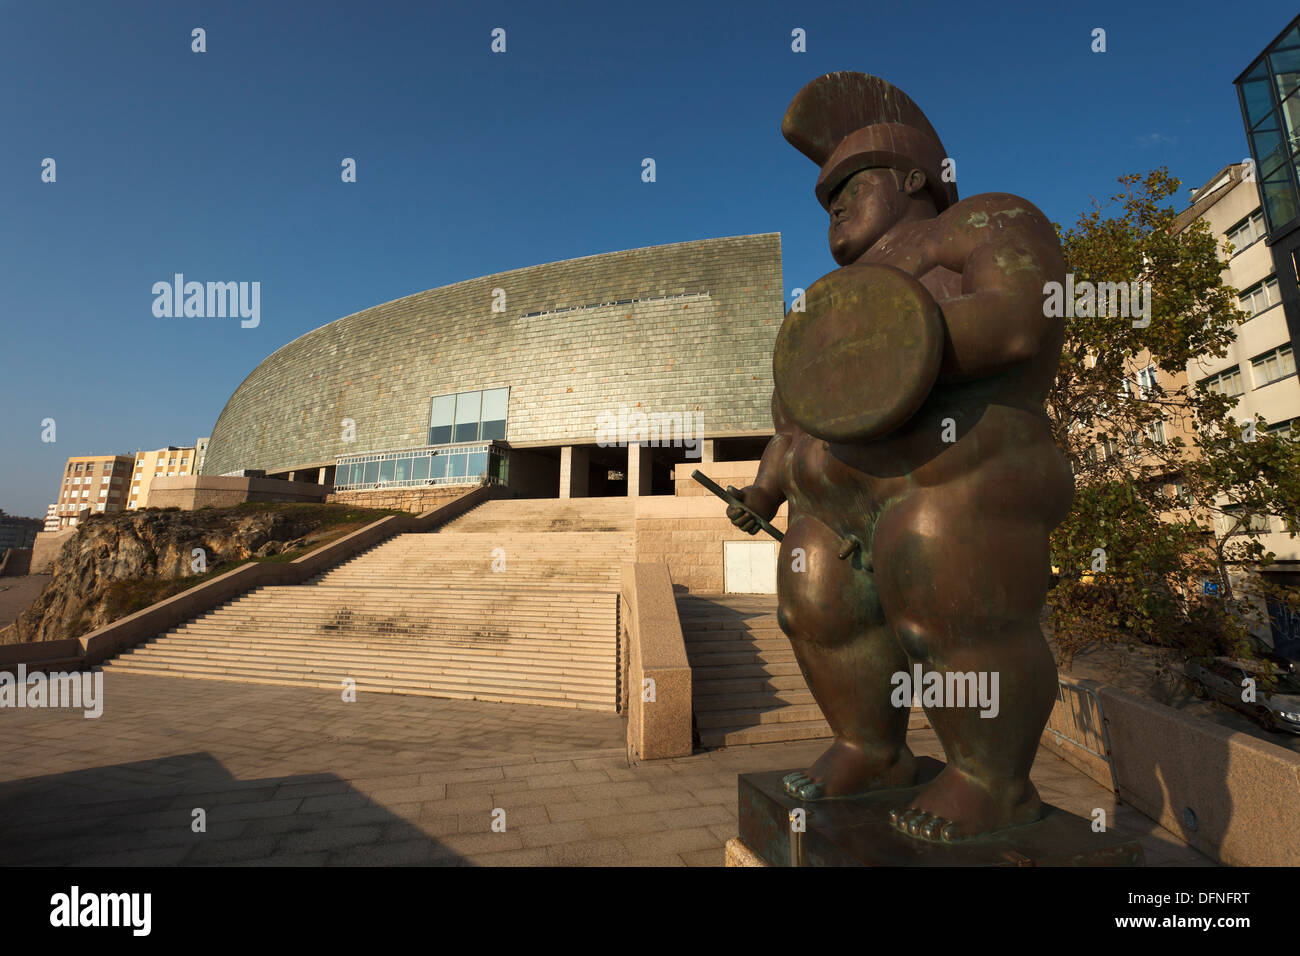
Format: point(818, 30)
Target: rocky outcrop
point(107, 567)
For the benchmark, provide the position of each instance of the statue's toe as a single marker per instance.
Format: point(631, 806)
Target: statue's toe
point(802, 786)
point(933, 827)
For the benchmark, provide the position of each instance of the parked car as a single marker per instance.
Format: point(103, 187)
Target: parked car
point(1222, 679)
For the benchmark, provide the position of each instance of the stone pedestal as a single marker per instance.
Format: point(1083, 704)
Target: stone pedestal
point(857, 832)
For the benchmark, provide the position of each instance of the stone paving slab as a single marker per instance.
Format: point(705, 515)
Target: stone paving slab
point(388, 781)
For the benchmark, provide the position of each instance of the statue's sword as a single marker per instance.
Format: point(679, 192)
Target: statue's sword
point(848, 544)
point(729, 496)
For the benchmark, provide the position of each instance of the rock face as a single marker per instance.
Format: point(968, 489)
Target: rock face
point(145, 546)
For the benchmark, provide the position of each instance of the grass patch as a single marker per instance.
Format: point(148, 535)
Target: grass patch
point(124, 598)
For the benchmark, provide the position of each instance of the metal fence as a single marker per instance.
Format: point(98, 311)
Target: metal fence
point(1080, 723)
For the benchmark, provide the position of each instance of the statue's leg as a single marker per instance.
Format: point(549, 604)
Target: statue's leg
point(846, 651)
point(962, 584)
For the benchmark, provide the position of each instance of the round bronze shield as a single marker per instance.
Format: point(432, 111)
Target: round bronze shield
point(863, 356)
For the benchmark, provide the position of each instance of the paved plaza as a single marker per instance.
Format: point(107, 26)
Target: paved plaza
point(294, 776)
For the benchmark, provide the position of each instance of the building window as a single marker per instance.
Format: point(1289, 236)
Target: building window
point(1260, 296)
point(468, 416)
point(1155, 431)
point(1274, 365)
point(1228, 382)
point(1285, 429)
point(1247, 231)
point(1147, 381)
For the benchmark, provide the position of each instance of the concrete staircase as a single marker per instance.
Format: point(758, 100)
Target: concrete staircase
point(747, 686)
point(515, 601)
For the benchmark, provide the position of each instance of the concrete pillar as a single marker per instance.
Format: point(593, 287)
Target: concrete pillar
point(575, 470)
point(638, 470)
point(320, 476)
point(706, 451)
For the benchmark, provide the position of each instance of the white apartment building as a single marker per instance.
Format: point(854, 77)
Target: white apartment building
point(1259, 368)
point(164, 462)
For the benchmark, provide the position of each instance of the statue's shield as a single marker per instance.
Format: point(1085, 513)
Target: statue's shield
point(864, 355)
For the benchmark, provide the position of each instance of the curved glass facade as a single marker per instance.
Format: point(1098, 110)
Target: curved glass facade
point(469, 463)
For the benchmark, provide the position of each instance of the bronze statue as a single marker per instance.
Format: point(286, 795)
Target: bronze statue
point(912, 447)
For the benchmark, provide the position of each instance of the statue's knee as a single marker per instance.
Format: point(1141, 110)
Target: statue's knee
point(916, 640)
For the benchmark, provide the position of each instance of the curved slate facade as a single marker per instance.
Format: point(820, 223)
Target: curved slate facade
point(682, 327)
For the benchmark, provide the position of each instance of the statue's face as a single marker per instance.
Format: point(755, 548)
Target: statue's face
point(867, 206)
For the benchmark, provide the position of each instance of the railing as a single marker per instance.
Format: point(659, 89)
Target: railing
point(1077, 722)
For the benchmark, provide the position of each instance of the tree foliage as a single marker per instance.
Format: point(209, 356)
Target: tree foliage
point(1158, 459)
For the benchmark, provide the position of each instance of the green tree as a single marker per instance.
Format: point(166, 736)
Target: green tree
point(1157, 463)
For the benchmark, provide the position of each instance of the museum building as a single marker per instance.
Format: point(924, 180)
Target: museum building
point(587, 377)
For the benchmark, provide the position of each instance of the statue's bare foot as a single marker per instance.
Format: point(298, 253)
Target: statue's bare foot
point(845, 771)
point(954, 807)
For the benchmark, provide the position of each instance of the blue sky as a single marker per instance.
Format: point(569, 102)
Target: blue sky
point(225, 165)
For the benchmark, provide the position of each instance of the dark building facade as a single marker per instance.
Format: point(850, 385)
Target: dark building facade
point(1269, 95)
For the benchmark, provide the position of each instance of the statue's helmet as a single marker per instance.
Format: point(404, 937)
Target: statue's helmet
point(846, 122)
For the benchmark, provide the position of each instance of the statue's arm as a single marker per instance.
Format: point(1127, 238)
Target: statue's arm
point(998, 320)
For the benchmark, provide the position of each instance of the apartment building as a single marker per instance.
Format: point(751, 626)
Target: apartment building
point(1259, 368)
point(200, 453)
point(92, 484)
point(163, 462)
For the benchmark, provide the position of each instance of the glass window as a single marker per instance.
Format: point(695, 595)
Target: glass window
point(441, 417)
point(371, 472)
point(468, 405)
point(1279, 199)
point(420, 468)
point(386, 469)
point(456, 466)
point(1228, 382)
point(342, 474)
point(478, 462)
point(1255, 93)
point(1147, 379)
point(438, 466)
point(1273, 365)
point(495, 401)
point(402, 469)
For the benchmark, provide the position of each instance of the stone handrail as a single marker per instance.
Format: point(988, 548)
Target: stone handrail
point(659, 675)
point(111, 639)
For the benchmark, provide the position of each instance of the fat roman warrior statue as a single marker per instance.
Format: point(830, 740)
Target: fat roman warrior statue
point(912, 447)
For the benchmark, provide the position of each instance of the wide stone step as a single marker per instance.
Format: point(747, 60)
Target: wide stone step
point(756, 685)
point(458, 677)
point(765, 734)
point(506, 643)
point(500, 635)
point(704, 628)
point(416, 631)
point(486, 670)
point(775, 655)
point(705, 703)
point(751, 717)
point(574, 701)
point(736, 646)
point(411, 615)
point(724, 672)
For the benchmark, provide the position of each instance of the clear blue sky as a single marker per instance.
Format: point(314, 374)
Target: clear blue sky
point(225, 165)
